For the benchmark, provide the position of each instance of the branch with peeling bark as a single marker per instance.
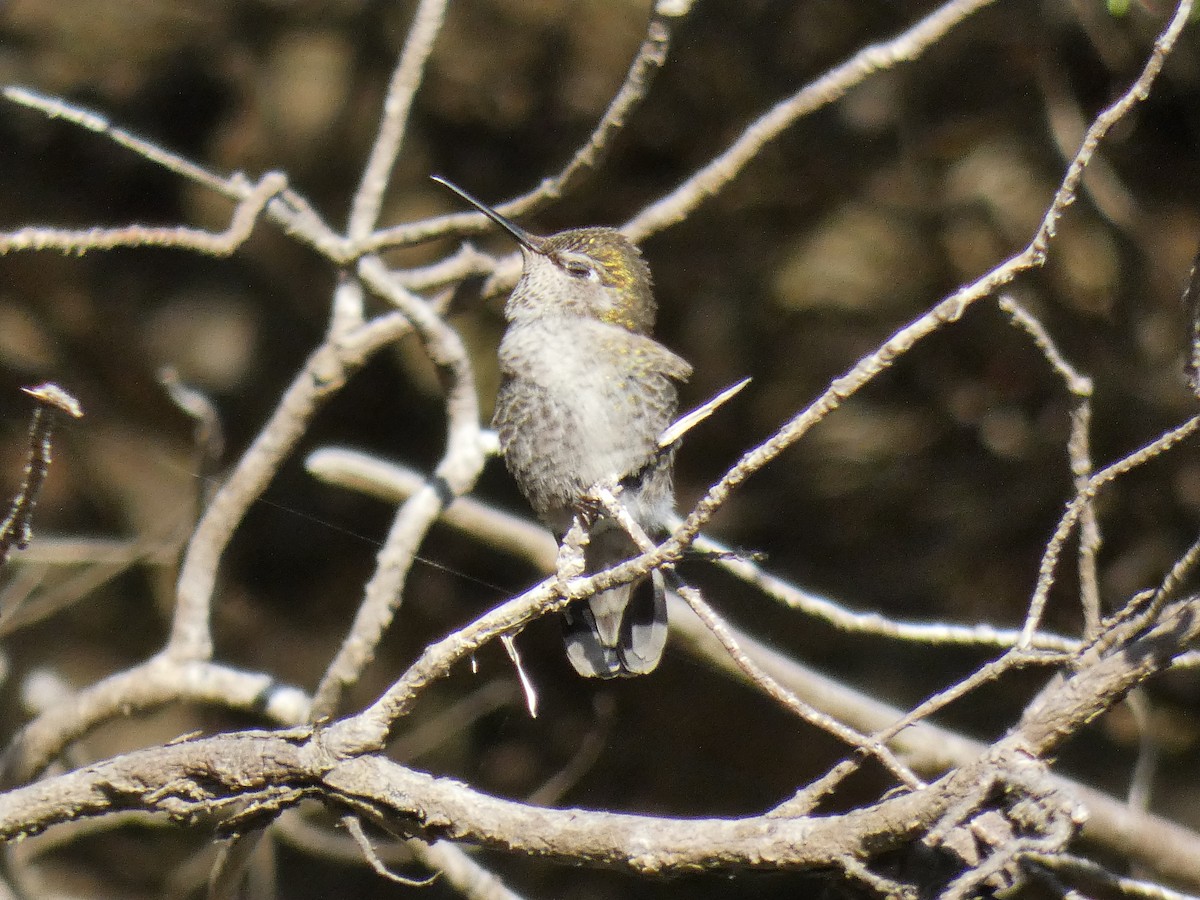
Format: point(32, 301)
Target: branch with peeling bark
point(261, 772)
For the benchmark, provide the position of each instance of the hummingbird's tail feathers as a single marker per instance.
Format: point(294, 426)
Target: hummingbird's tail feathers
point(590, 658)
point(644, 628)
point(620, 632)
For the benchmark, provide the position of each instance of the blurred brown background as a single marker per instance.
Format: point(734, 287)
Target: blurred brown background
point(928, 496)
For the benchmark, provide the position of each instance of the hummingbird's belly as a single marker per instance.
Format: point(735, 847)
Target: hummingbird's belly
point(569, 417)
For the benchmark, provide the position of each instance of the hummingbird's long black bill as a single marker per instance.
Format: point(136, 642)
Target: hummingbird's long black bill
point(524, 238)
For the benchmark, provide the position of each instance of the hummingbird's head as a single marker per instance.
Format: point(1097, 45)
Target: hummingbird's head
point(594, 273)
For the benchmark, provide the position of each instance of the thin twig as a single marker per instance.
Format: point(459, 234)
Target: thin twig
point(56, 108)
point(720, 628)
point(460, 466)
point(1075, 508)
point(836, 615)
point(650, 57)
point(775, 690)
point(288, 209)
point(354, 827)
point(831, 86)
point(985, 674)
point(368, 199)
point(1079, 452)
point(222, 243)
point(17, 530)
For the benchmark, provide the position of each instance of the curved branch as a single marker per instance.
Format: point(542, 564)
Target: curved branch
point(279, 768)
point(456, 474)
point(650, 57)
point(831, 86)
point(152, 684)
point(321, 377)
point(368, 199)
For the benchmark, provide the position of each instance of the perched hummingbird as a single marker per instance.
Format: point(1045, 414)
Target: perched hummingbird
point(585, 394)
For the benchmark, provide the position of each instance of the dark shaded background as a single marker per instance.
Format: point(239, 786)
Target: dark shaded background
point(928, 496)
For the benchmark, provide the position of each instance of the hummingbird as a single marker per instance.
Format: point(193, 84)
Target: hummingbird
point(585, 394)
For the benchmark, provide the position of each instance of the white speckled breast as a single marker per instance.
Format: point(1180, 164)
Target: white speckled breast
point(582, 401)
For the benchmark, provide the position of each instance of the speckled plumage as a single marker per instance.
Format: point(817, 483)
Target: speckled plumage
point(582, 401)
point(585, 394)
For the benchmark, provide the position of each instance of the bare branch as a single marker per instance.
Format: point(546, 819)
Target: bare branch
point(1079, 450)
point(16, 529)
point(56, 108)
point(994, 812)
point(830, 87)
point(650, 57)
point(368, 199)
point(948, 310)
point(456, 474)
point(266, 765)
point(323, 375)
point(930, 749)
point(207, 775)
point(152, 684)
point(223, 243)
point(288, 209)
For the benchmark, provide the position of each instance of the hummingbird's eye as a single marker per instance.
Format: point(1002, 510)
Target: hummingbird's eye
point(578, 268)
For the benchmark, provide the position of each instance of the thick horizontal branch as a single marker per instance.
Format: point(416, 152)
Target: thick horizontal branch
point(206, 776)
point(156, 682)
point(1147, 839)
point(273, 769)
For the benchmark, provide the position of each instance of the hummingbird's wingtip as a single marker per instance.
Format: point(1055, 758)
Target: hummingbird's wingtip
point(686, 423)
